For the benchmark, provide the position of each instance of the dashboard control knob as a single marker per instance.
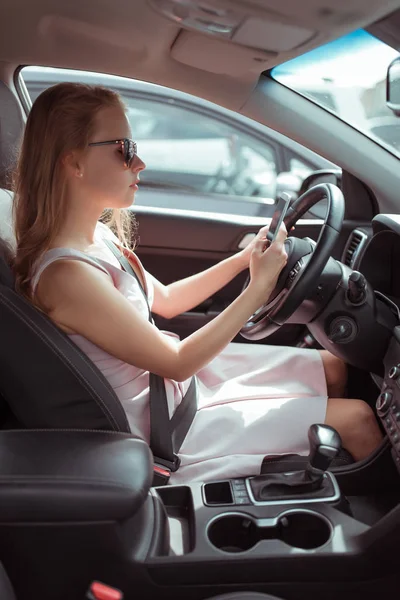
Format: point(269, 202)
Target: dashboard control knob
point(383, 402)
point(394, 372)
point(357, 288)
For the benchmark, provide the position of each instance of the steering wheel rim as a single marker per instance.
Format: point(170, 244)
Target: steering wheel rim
point(269, 318)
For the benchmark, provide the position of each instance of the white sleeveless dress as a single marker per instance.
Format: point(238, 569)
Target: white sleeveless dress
point(254, 400)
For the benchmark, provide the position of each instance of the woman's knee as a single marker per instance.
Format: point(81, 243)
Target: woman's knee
point(335, 374)
point(356, 424)
point(349, 414)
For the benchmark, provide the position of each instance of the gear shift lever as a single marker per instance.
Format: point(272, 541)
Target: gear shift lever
point(325, 444)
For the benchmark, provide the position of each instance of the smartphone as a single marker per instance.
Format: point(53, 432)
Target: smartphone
point(278, 216)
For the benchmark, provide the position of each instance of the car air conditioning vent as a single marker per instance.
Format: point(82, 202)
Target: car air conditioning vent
point(355, 243)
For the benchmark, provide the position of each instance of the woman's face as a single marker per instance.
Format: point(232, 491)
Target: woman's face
point(103, 174)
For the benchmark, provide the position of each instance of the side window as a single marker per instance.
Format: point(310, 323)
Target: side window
point(299, 168)
point(199, 154)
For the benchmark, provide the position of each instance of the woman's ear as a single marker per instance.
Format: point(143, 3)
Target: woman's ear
point(72, 164)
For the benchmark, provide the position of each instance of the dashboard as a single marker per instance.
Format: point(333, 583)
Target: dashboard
point(380, 265)
point(375, 252)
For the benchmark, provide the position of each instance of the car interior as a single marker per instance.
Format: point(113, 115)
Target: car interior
point(83, 512)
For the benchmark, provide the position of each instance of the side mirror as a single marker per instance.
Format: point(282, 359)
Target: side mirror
point(393, 86)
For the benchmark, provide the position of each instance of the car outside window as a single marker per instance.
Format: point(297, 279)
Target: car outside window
point(198, 156)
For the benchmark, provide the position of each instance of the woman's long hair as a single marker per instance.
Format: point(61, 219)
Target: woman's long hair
point(61, 120)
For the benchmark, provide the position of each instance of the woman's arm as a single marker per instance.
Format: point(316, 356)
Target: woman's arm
point(83, 299)
point(181, 296)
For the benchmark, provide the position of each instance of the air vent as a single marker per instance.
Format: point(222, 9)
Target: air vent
point(355, 243)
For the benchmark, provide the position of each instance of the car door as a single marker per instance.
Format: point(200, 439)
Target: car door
point(211, 182)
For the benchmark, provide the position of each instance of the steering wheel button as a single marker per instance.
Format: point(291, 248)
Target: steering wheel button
point(383, 402)
point(394, 372)
point(397, 415)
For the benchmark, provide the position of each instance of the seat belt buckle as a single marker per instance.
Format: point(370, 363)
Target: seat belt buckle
point(163, 469)
point(170, 465)
point(100, 591)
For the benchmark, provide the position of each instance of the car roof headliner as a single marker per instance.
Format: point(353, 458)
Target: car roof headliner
point(129, 38)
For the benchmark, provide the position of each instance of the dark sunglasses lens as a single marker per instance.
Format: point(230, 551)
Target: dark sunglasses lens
point(129, 152)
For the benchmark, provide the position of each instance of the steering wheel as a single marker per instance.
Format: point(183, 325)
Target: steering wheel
point(305, 263)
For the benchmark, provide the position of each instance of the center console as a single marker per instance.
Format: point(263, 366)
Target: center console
point(77, 507)
point(254, 529)
point(218, 533)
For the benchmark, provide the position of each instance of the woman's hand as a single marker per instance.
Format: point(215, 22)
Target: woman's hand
point(266, 264)
point(245, 254)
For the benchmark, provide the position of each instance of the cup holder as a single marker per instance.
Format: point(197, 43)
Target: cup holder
point(237, 532)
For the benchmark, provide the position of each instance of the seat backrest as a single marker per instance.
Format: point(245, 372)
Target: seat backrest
point(46, 380)
point(6, 590)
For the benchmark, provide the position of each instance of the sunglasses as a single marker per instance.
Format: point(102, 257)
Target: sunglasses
point(128, 148)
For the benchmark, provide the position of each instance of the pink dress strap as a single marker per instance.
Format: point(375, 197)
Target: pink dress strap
point(55, 254)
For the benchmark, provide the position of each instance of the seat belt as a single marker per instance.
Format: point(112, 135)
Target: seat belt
point(166, 435)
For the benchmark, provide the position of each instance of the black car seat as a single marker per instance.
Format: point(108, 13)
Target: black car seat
point(245, 596)
point(6, 590)
point(46, 381)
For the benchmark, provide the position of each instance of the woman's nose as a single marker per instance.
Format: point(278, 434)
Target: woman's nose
point(138, 164)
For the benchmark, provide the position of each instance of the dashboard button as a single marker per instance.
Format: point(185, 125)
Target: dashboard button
point(243, 500)
point(383, 402)
point(394, 372)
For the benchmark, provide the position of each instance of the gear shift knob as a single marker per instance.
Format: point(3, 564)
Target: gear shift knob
point(325, 444)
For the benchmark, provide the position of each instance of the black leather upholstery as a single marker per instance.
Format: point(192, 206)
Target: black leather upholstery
point(295, 462)
point(6, 591)
point(245, 596)
point(58, 385)
point(50, 476)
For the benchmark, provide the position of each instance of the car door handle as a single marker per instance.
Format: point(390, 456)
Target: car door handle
point(246, 239)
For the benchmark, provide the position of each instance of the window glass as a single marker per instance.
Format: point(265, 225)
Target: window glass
point(187, 148)
point(198, 156)
point(300, 168)
point(348, 77)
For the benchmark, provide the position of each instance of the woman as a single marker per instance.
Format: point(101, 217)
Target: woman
point(76, 160)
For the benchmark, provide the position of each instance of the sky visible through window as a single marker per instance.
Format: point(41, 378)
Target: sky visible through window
point(348, 77)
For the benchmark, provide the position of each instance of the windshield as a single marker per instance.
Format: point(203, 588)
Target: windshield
point(348, 77)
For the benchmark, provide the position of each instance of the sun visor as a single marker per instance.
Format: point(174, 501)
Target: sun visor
point(271, 35)
point(217, 56)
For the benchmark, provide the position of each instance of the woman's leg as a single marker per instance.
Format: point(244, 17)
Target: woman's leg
point(335, 374)
point(354, 420)
point(356, 424)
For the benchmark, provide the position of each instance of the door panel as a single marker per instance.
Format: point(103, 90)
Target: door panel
point(175, 244)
